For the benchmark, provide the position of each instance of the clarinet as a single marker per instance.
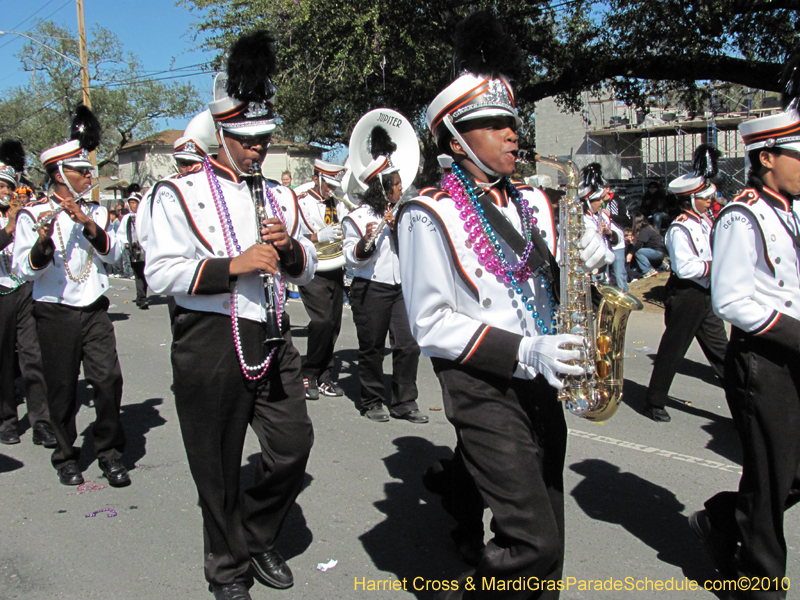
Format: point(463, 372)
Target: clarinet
point(273, 337)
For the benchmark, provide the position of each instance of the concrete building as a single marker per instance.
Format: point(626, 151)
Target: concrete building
point(147, 160)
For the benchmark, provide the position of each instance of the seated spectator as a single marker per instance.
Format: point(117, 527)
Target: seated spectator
point(631, 268)
point(654, 205)
point(649, 249)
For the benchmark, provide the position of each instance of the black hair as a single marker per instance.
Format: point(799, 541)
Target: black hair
point(639, 223)
point(375, 196)
point(756, 168)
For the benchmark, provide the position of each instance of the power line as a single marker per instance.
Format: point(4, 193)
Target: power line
point(44, 19)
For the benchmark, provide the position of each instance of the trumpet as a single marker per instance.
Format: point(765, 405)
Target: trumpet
point(383, 222)
point(45, 221)
point(273, 337)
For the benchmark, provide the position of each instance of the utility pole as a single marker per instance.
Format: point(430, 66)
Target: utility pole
point(82, 54)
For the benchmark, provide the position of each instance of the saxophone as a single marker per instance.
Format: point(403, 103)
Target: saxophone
point(597, 393)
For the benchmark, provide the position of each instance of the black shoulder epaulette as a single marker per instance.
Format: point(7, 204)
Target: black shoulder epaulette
point(681, 218)
point(275, 181)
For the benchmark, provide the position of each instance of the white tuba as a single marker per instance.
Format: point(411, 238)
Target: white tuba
point(405, 158)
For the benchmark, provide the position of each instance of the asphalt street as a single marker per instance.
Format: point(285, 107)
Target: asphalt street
point(630, 485)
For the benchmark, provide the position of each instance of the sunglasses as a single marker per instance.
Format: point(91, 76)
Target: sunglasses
point(82, 170)
point(248, 141)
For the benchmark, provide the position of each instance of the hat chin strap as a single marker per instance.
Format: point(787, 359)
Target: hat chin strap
point(66, 181)
point(448, 122)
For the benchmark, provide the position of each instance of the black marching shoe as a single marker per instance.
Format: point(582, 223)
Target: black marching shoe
point(659, 415)
point(719, 547)
point(230, 591)
point(9, 437)
point(43, 435)
point(412, 416)
point(70, 474)
point(115, 472)
point(272, 570)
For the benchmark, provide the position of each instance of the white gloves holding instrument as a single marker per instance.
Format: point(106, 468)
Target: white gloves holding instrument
point(544, 354)
point(331, 233)
point(595, 253)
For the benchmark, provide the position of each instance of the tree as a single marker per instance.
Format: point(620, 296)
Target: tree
point(341, 58)
point(128, 104)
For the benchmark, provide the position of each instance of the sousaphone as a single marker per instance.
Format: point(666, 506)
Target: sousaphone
point(405, 158)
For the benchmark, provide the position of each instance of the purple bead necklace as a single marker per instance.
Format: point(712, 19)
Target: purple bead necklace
point(486, 244)
point(234, 249)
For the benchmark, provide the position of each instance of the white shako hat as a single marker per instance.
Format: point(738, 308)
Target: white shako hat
point(203, 129)
point(704, 167)
point(12, 162)
point(330, 172)
point(781, 130)
point(484, 60)
point(445, 162)
point(85, 133)
point(190, 150)
point(383, 142)
point(244, 96)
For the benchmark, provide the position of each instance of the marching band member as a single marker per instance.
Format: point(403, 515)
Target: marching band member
point(63, 260)
point(593, 194)
point(755, 287)
point(688, 313)
point(376, 296)
point(486, 320)
point(206, 247)
point(323, 296)
point(126, 233)
point(17, 327)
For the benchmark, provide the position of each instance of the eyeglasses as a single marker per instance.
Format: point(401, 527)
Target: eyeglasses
point(248, 141)
point(84, 171)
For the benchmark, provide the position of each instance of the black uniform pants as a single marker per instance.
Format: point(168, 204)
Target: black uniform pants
point(141, 282)
point(323, 298)
point(215, 404)
point(762, 381)
point(513, 440)
point(687, 315)
point(69, 336)
point(18, 334)
point(378, 309)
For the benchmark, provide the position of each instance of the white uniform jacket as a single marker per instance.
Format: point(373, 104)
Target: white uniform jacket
point(755, 282)
point(688, 241)
point(456, 309)
point(186, 251)
point(312, 212)
point(6, 255)
point(592, 221)
point(382, 264)
point(46, 269)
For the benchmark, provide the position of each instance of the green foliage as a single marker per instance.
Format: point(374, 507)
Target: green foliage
point(341, 58)
point(128, 105)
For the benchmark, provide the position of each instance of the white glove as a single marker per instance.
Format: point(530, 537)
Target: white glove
point(545, 355)
point(595, 253)
point(331, 233)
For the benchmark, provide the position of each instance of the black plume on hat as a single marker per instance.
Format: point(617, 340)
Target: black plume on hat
point(380, 142)
point(593, 175)
point(133, 189)
point(705, 161)
point(790, 80)
point(13, 154)
point(251, 63)
point(482, 47)
point(85, 128)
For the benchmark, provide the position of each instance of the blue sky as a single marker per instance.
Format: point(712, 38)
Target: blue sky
point(155, 30)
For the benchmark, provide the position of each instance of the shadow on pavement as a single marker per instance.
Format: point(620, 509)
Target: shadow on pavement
point(724, 439)
point(8, 464)
point(413, 540)
point(647, 511)
point(137, 421)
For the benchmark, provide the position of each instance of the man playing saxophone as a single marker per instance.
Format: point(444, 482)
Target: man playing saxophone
point(486, 318)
